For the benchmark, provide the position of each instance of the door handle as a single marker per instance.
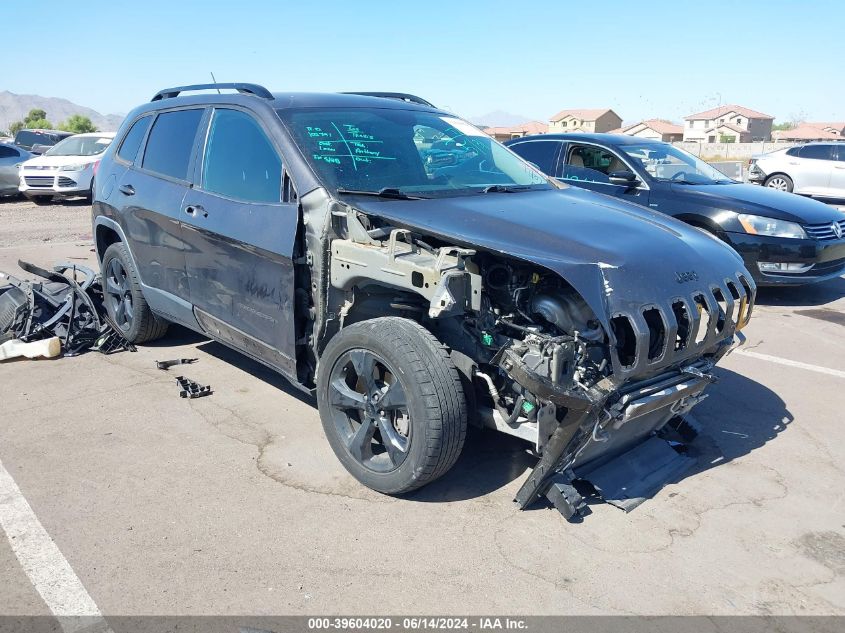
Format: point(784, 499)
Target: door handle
point(126, 190)
point(195, 209)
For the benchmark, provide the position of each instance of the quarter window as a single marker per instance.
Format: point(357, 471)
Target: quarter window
point(819, 152)
point(171, 141)
point(132, 141)
point(240, 162)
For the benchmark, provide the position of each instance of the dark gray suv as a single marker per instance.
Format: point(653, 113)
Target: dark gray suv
point(415, 275)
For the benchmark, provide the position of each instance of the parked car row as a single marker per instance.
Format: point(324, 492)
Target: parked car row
point(65, 169)
point(783, 238)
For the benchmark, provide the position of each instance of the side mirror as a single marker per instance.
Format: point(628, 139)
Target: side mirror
point(624, 178)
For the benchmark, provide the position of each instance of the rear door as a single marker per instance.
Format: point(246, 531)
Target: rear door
point(240, 232)
point(151, 191)
point(589, 166)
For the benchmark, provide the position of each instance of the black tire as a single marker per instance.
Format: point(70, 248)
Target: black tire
point(428, 431)
point(780, 182)
point(124, 300)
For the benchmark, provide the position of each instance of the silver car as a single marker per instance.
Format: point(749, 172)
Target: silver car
point(814, 169)
point(10, 157)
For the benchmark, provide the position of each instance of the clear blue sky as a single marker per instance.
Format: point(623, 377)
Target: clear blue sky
point(643, 59)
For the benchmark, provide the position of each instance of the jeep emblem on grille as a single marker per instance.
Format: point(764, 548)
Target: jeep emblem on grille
point(689, 275)
point(837, 230)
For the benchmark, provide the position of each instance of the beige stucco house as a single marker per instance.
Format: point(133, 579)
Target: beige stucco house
point(806, 132)
point(656, 129)
point(584, 121)
point(729, 123)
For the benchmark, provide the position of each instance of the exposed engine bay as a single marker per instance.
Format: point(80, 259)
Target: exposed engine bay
point(538, 361)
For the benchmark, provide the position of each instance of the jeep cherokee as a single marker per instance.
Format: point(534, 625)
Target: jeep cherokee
point(415, 275)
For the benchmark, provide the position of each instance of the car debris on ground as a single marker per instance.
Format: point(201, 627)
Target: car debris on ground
point(64, 314)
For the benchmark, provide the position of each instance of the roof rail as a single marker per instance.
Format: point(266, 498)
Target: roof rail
point(401, 96)
point(250, 89)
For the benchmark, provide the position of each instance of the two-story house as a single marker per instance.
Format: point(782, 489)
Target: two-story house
point(728, 123)
point(584, 121)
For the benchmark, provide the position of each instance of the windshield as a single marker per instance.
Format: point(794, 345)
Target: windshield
point(667, 163)
point(80, 146)
point(416, 153)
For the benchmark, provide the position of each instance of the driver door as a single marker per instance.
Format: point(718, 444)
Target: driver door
point(589, 166)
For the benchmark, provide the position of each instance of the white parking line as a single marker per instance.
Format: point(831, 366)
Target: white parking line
point(793, 363)
point(48, 571)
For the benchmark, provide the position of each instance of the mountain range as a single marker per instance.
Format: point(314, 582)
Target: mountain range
point(14, 107)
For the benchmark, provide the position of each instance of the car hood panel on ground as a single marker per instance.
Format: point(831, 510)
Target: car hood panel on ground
point(757, 200)
point(613, 253)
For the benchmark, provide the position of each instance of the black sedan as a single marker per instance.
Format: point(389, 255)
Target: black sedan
point(783, 238)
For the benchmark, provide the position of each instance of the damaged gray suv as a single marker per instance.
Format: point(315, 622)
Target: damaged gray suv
point(415, 275)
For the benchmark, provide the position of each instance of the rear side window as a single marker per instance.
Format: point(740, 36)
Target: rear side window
point(171, 141)
point(8, 152)
point(821, 152)
point(240, 161)
point(132, 141)
point(541, 153)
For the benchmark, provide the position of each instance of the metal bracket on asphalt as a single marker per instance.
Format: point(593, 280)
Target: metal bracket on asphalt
point(191, 389)
point(167, 364)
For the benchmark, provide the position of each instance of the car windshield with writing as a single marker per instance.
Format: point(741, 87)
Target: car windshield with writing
point(80, 146)
point(671, 164)
point(399, 153)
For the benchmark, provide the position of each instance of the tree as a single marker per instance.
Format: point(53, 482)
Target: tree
point(36, 119)
point(789, 125)
point(78, 124)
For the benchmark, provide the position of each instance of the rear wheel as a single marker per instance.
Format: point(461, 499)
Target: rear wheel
point(124, 300)
point(781, 182)
point(391, 403)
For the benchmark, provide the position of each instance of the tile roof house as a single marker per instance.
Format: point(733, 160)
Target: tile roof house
point(731, 123)
point(657, 129)
point(601, 120)
point(506, 133)
point(808, 132)
point(837, 127)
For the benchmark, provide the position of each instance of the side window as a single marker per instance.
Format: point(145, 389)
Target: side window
point(171, 141)
point(793, 151)
point(132, 141)
point(8, 152)
point(541, 153)
point(240, 161)
point(592, 164)
point(819, 152)
point(840, 152)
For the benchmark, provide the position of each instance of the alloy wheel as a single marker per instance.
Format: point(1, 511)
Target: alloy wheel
point(778, 183)
point(118, 294)
point(370, 410)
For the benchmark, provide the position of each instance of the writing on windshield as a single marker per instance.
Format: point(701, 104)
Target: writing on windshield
point(343, 141)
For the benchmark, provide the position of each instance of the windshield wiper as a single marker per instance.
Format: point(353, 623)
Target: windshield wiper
point(505, 188)
point(386, 192)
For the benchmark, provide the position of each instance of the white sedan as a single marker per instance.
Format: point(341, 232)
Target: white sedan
point(814, 169)
point(66, 169)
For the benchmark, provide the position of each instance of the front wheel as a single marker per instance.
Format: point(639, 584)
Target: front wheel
point(780, 182)
point(39, 200)
point(391, 403)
